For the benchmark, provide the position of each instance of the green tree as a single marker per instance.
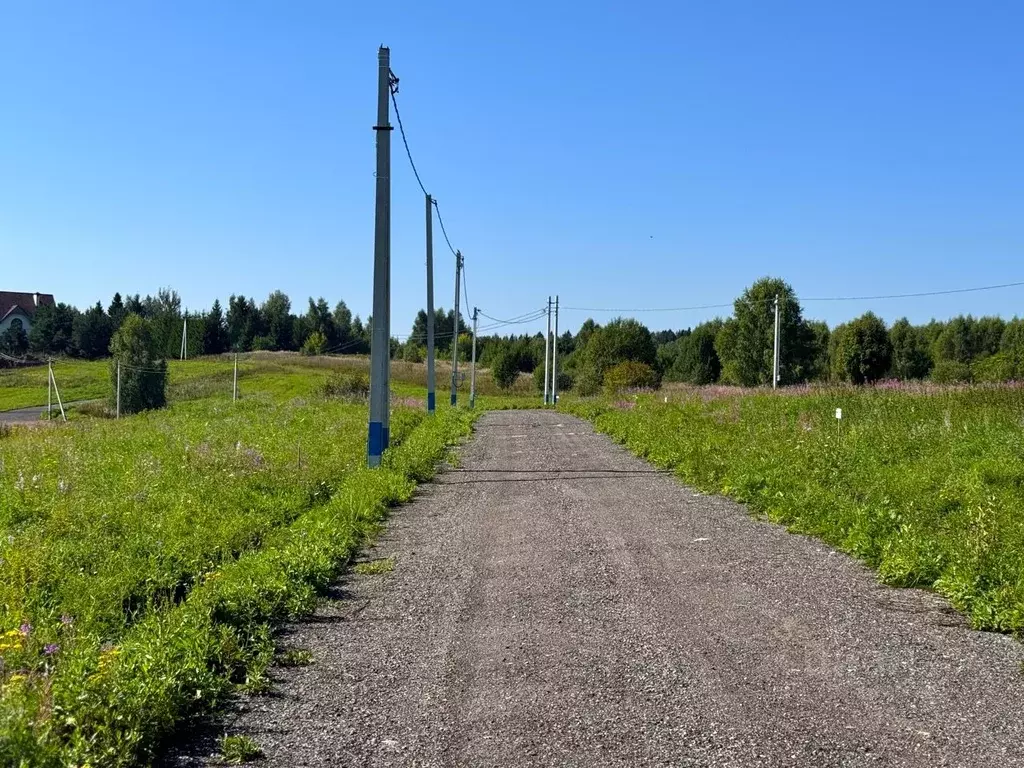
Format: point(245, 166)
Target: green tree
point(343, 323)
point(277, 320)
point(910, 359)
point(215, 331)
point(165, 319)
point(618, 342)
point(14, 341)
point(243, 323)
point(52, 331)
point(693, 358)
point(92, 331)
point(505, 369)
point(1012, 344)
point(116, 312)
point(821, 337)
point(143, 374)
point(956, 342)
point(315, 344)
point(861, 352)
point(746, 344)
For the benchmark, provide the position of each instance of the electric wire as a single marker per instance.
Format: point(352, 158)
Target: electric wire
point(401, 129)
point(880, 297)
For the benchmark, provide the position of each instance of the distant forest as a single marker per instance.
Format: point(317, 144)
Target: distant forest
point(733, 350)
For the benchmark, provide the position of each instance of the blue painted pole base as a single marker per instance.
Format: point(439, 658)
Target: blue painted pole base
point(431, 402)
point(454, 398)
point(375, 443)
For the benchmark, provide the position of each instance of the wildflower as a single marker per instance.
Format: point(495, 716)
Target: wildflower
point(66, 620)
point(50, 648)
point(25, 629)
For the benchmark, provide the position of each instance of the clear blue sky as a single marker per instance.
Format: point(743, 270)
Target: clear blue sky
point(641, 154)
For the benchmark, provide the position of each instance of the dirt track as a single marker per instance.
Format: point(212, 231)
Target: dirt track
point(603, 614)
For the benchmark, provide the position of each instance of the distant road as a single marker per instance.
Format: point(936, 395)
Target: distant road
point(35, 413)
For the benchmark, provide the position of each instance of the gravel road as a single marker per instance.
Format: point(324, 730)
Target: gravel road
point(556, 601)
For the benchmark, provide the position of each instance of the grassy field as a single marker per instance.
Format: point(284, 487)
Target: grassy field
point(925, 485)
point(145, 562)
point(273, 373)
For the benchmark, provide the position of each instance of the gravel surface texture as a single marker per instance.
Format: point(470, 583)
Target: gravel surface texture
point(556, 601)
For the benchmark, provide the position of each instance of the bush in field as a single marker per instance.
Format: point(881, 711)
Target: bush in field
point(565, 380)
point(860, 350)
point(587, 382)
point(413, 353)
point(352, 386)
point(618, 342)
point(994, 368)
point(630, 375)
point(951, 372)
point(143, 375)
point(315, 344)
point(505, 369)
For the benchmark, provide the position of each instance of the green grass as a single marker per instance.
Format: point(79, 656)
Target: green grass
point(295, 657)
point(144, 562)
point(236, 750)
point(375, 567)
point(928, 488)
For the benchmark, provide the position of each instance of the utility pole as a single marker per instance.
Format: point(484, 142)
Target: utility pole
point(117, 412)
point(380, 343)
point(184, 343)
point(554, 360)
point(775, 355)
point(234, 381)
point(49, 389)
point(472, 375)
point(455, 338)
point(431, 394)
point(547, 353)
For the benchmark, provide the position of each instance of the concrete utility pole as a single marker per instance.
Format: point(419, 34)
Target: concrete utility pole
point(547, 354)
point(49, 389)
point(455, 337)
point(775, 355)
point(431, 393)
point(184, 343)
point(380, 343)
point(117, 413)
point(472, 375)
point(554, 359)
point(234, 381)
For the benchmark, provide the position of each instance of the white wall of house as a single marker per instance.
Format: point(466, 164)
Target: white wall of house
point(6, 322)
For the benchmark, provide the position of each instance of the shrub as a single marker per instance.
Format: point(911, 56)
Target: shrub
point(143, 377)
point(630, 375)
point(315, 344)
point(951, 372)
point(505, 369)
point(588, 382)
point(565, 379)
point(355, 386)
point(994, 368)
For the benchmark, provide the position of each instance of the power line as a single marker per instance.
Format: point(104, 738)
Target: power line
point(465, 290)
point(880, 297)
point(441, 222)
point(401, 129)
point(525, 317)
point(917, 295)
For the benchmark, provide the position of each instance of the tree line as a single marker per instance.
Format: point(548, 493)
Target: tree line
point(738, 350)
point(63, 330)
point(733, 350)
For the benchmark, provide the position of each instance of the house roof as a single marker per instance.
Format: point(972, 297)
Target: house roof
point(26, 302)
